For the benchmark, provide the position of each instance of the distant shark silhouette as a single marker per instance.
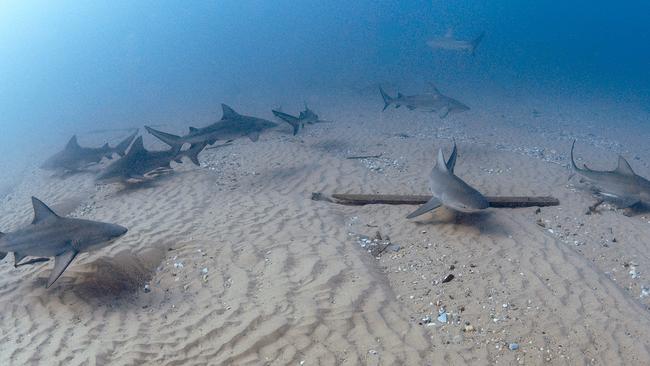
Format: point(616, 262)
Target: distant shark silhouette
point(432, 102)
point(620, 185)
point(74, 158)
point(448, 42)
point(306, 117)
point(51, 235)
point(231, 126)
point(139, 162)
point(450, 191)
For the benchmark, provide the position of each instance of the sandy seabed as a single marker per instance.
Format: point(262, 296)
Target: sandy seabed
point(241, 267)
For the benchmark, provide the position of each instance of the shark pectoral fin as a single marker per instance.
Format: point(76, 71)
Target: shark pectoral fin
point(32, 261)
point(254, 136)
point(3, 255)
point(61, 262)
point(410, 107)
point(431, 205)
point(17, 258)
point(444, 112)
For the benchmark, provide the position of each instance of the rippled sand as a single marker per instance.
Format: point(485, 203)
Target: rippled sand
point(243, 268)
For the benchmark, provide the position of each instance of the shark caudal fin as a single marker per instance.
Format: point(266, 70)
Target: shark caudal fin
point(573, 162)
point(172, 140)
point(476, 42)
point(293, 121)
point(387, 99)
point(121, 148)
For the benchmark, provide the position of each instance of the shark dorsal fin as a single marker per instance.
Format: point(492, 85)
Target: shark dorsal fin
point(105, 146)
point(451, 163)
point(441, 165)
point(450, 33)
point(41, 211)
point(434, 89)
point(228, 112)
point(72, 143)
point(624, 167)
point(193, 129)
point(137, 146)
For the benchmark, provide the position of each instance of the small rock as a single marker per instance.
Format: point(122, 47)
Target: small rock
point(513, 346)
point(469, 328)
point(448, 278)
point(147, 289)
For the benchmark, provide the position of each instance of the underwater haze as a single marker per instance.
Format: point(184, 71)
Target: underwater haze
point(67, 67)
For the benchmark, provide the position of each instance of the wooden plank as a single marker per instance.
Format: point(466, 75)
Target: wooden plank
point(393, 199)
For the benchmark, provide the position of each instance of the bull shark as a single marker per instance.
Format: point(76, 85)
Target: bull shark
point(231, 126)
point(139, 162)
point(450, 191)
point(432, 102)
point(621, 185)
point(51, 235)
point(73, 157)
point(306, 117)
point(448, 42)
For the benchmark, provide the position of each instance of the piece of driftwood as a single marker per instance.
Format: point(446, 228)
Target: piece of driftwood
point(393, 199)
point(365, 157)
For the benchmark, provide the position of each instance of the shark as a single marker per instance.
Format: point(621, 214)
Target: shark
point(306, 117)
point(140, 162)
point(450, 191)
point(231, 126)
point(620, 185)
point(50, 235)
point(74, 158)
point(448, 42)
point(434, 101)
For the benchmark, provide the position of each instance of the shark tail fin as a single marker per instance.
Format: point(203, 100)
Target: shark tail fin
point(172, 140)
point(387, 99)
point(293, 121)
point(193, 152)
point(573, 162)
point(476, 41)
point(121, 148)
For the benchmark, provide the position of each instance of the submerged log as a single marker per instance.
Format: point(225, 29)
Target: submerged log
point(394, 199)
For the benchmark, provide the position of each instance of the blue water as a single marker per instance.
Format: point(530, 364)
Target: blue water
point(71, 67)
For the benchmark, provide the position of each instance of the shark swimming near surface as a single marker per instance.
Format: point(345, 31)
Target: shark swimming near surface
point(51, 235)
point(231, 126)
point(431, 102)
point(139, 162)
point(306, 117)
point(621, 185)
point(74, 158)
point(448, 42)
point(450, 191)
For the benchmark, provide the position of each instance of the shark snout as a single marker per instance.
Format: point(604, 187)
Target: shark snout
point(116, 231)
